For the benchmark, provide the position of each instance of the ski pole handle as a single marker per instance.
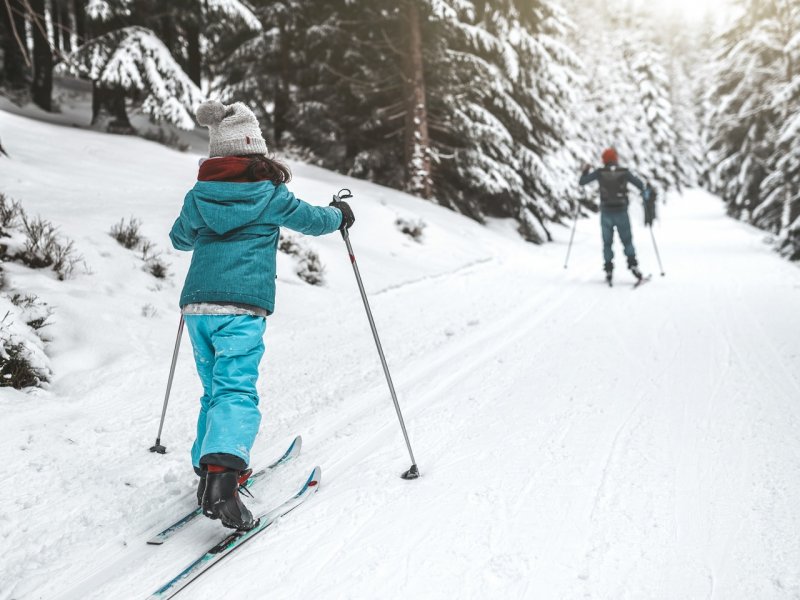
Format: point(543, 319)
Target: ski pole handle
point(343, 194)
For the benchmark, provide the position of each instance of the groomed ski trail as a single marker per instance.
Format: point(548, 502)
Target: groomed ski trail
point(575, 441)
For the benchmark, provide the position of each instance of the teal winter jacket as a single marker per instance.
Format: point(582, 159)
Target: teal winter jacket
point(233, 229)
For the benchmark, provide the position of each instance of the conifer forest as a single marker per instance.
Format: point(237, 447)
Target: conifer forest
point(489, 107)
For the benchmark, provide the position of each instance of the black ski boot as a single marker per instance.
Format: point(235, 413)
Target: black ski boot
point(221, 499)
point(609, 269)
point(201, 485)
point(633, 265)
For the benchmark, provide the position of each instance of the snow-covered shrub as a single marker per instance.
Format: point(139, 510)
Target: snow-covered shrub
point(127, 235)
point(23, 362)
point(152, 260)
point(33, 311)
point(156, 267)
point(310, 269)
point(130, 236)
point(413, 228)
point(44, 247)
point(309, 266)
point(10, 212)
point(34, 242)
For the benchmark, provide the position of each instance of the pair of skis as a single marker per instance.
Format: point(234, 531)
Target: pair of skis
point(235, 539)
point(639, 282)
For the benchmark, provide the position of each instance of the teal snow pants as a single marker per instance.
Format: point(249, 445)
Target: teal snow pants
point(608, 221)
point(227, 351)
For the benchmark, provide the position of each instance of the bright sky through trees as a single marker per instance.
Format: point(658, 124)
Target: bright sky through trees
point(693, 10)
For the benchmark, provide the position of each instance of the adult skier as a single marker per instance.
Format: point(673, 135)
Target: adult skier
point(231, 219)
point(613, 181)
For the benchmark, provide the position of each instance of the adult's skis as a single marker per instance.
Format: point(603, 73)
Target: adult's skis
point(235, 540)
point(642, 281)
point(292, 451)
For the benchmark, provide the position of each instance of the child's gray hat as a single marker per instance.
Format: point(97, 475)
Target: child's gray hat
point(232, 129)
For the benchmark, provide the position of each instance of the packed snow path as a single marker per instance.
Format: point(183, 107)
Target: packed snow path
point(575, 441)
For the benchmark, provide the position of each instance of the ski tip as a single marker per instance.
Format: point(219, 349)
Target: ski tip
point(292, 451)
point(156, 541)
point(313, 480)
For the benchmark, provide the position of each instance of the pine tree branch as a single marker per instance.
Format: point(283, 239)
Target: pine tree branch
point(390, 44)
point(375, 86)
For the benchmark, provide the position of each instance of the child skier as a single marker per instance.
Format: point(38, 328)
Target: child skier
point(614, 181)
point(231, 219)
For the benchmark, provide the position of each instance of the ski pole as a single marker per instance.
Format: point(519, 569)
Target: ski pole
point(656, 248)
point(158, 447)
point(572, 236)
point(412, 472)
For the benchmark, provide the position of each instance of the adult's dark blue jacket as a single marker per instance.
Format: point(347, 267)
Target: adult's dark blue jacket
point(613, 181)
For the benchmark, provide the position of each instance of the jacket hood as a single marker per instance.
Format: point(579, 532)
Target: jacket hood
point(226, 206)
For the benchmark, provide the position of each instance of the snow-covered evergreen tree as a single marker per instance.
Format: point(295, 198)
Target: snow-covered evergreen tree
point(262, 69)
point(634, 99)
point(780, 208)
point(133, 59)
point(688, 146)
point(658, 147)
point(688, 58)
point(753, 124)
point(741, 116)
point(524, 113)
point(485, 122)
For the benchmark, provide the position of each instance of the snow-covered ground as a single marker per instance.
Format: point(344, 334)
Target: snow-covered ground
point(575, 441)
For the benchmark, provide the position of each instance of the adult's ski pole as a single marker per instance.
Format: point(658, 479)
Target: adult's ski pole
point(413, 471)
point(656, 249)
point(158, 447)
point(572, 235)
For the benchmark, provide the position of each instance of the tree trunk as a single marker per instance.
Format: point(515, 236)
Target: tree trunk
point(279, 121)
point(66, 25)
point(110, 103)
point(14, 49)
point(55, 14)
point(42, 86)
point(194, 68)
point(79, 8)
point(417, 138)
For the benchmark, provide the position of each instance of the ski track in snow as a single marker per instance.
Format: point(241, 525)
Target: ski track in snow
point(575, 441)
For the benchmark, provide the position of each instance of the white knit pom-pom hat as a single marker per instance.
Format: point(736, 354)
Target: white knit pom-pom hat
point(232, 129)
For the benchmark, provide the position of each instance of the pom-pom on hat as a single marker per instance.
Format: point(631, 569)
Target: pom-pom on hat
point(232, 129)
point(609, 156)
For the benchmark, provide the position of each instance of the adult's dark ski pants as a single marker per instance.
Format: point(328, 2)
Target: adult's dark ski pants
point(610, 219)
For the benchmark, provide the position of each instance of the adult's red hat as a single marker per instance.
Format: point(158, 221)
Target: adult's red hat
point(609, 156)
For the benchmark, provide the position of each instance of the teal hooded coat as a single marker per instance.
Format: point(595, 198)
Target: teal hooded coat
point(233, 229)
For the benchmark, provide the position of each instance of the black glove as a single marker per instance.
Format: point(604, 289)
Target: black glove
point(586, 167)
point(649, 206)
point(348, 218)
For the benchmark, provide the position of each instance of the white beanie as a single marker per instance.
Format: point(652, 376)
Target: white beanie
point(232, 130)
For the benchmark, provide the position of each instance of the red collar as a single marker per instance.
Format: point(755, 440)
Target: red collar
point(224, 168)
